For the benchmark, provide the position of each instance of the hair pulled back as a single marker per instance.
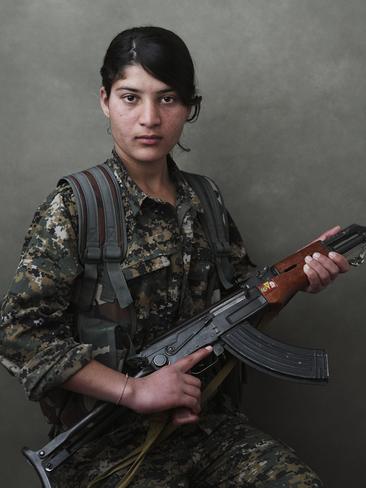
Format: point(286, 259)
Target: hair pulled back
point(161, 53)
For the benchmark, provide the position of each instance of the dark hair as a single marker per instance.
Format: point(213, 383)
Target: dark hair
point(161, 53)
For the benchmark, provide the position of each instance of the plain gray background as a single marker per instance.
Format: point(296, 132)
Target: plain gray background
point(282, 130)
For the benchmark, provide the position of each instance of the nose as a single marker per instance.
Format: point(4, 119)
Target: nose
point(150, 114)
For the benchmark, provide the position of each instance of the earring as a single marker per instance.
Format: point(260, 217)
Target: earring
point(109, 130)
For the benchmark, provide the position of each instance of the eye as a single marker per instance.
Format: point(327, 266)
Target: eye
point(129, 98)
point(168, 99)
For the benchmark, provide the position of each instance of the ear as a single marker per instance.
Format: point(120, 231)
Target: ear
point(104, 101)
point(189, 111)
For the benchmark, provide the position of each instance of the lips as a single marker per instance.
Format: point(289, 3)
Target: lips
point(149, 139)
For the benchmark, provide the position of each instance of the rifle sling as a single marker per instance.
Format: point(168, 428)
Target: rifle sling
point(159, 430)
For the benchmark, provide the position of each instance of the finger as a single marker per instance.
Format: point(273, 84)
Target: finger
point(187, 363)
point(328, 233)
point(340, 261)
point(313, 278)
point(183, 416)
point(328, 264)
point(192, 391)
point(323, 274)
point(192, 380)
point(191, 403)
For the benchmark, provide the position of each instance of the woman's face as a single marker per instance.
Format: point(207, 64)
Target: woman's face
point(146, 116)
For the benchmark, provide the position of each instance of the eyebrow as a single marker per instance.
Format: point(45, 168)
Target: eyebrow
point(135, 90)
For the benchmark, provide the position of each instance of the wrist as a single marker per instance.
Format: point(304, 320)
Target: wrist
point(122, 390)
point(127, 399)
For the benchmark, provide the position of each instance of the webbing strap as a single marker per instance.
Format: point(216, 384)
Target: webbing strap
point(215, 224)
point(102, 238)
point(159, 430)
point(89, 241)
point(114, 281)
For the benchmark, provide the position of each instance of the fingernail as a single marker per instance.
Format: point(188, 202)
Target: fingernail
point(306, 267)
point(316, 255)
point(332, 254)
point(308, 259)
point(209, 348)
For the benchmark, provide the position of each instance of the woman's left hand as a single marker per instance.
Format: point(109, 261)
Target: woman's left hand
point(322, 270)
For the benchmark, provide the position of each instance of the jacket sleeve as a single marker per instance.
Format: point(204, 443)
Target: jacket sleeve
point(37, 340)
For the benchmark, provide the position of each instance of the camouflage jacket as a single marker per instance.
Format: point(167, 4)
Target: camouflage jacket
point(168, 265)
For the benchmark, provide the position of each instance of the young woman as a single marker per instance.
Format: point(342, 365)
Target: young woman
point(148, 93)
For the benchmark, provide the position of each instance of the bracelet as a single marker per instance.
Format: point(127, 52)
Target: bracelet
point(123, 391)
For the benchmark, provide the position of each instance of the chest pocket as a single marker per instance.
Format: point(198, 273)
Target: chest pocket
point(153, 279)
point(149, 264)
point(142, 261)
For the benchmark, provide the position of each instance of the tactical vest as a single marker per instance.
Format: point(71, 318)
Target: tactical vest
point(102, 246)
point(109, 323)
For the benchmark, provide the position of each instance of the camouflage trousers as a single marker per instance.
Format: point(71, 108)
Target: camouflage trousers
point(223, 450)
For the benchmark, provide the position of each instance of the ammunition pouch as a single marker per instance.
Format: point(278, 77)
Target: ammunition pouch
point(110, 340)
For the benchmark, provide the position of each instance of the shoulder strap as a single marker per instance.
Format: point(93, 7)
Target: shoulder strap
point(215, 224)
point(102, 240)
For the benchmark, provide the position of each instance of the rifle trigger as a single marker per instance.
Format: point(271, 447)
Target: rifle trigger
point(218, 349)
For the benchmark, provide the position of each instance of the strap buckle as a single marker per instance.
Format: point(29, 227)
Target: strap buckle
point(222, 247)
point(112, 254)
point(92, 254)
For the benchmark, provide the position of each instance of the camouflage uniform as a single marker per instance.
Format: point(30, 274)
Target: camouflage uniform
point(168, 267)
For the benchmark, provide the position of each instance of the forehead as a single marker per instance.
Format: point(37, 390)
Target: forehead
point(136, 77)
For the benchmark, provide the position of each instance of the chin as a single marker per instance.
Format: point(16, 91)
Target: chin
point(148, 156)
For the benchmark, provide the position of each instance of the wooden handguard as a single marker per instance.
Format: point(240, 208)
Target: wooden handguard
point(291, 277)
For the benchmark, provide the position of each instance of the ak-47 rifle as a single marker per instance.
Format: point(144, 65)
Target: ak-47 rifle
point(227, 325)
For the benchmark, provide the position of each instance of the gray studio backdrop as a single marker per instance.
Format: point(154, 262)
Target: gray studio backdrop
point(282, 130)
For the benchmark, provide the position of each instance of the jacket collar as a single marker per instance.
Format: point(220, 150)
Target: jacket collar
point(135, 197)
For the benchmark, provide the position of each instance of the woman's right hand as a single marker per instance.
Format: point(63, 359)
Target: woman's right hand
point(171, 387)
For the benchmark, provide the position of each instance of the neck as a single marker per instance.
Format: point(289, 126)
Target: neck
point(152, 177)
